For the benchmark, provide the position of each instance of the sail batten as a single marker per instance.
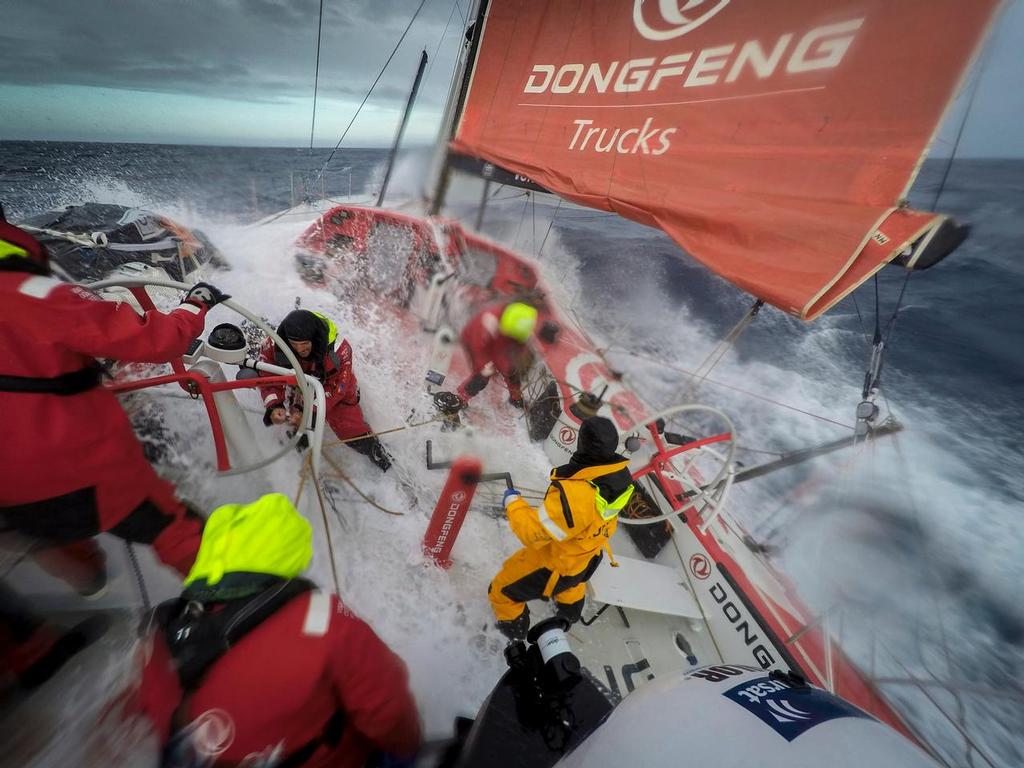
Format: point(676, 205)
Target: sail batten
point(772, 140)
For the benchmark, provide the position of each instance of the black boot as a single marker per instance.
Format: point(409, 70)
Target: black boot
point(571, 612)
point(517, 628)
point(372, 448)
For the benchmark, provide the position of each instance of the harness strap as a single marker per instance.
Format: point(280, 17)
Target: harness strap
point(330, 736)
point(565, 503)
point(197, 640)
point(73, 383)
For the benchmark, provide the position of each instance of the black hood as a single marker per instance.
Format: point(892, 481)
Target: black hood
point(596, 446)
point(598, 440)
point(303, 325)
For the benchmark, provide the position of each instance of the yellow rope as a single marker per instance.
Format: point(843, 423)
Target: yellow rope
point(327, 527)
point(332, 443)
point(306, 467)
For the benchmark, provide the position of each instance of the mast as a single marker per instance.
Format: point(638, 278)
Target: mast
point(401, 128)
point(454, 108)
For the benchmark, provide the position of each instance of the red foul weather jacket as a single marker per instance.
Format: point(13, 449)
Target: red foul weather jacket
point(54, 444)
point(339, 381)
point(276, 689)
point(489, 351)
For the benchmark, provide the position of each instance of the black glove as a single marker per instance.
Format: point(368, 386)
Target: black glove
point(267, 421)
point(548, 332)
point(204, 295)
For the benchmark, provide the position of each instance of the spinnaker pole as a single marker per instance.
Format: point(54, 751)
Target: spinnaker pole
point(890, 427)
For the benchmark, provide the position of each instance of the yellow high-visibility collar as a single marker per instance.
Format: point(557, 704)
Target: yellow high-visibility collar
point(8, 250)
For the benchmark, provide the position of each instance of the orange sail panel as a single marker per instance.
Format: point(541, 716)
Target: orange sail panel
point(772, 139)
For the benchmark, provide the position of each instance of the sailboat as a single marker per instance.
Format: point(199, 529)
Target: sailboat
point(768, 143)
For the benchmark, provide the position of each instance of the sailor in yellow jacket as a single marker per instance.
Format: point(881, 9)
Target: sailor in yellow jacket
point(564, 537)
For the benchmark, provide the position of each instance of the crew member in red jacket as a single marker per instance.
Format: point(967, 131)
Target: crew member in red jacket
point(328, 357)
point(71, 464)
point(495, 342)
point(253, 665)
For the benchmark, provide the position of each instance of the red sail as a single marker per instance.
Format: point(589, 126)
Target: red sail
point(772, 139)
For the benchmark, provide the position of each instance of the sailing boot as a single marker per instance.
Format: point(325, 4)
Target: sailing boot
point(571, 612)
point(372, 448)
point(517, 628)
point(515, 393)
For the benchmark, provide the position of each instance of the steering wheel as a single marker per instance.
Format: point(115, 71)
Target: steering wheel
point(312, 390)
point(678, 464)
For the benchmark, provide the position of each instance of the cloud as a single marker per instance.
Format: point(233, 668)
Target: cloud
point(246, 50)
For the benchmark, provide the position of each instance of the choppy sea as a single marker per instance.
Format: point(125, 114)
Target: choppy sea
point(915, 547)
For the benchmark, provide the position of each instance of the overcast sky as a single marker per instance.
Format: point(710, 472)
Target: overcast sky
point(240, 72)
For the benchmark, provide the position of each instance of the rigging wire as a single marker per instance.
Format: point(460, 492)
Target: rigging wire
point(533, 237)
point(881, 339)
point(367, 96)
point(522, 217)
point(754, 395)
point(437, 50)
point(550, 225)
point(316, 76)
point(860, 318)
point(715, 356)
point(891, 325)
point(963, 124)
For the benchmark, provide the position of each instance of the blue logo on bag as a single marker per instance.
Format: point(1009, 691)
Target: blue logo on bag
point(790, 711)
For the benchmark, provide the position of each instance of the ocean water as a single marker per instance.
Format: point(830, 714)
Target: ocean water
point(914, 546)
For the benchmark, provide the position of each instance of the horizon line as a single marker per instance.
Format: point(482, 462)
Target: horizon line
point(411, 145)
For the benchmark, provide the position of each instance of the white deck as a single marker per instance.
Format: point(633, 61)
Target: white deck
point(643, 586)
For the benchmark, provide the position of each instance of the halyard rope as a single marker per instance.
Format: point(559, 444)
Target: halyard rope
point(439, 417)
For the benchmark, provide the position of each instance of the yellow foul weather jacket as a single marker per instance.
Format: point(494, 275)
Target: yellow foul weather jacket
point(579, 514)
